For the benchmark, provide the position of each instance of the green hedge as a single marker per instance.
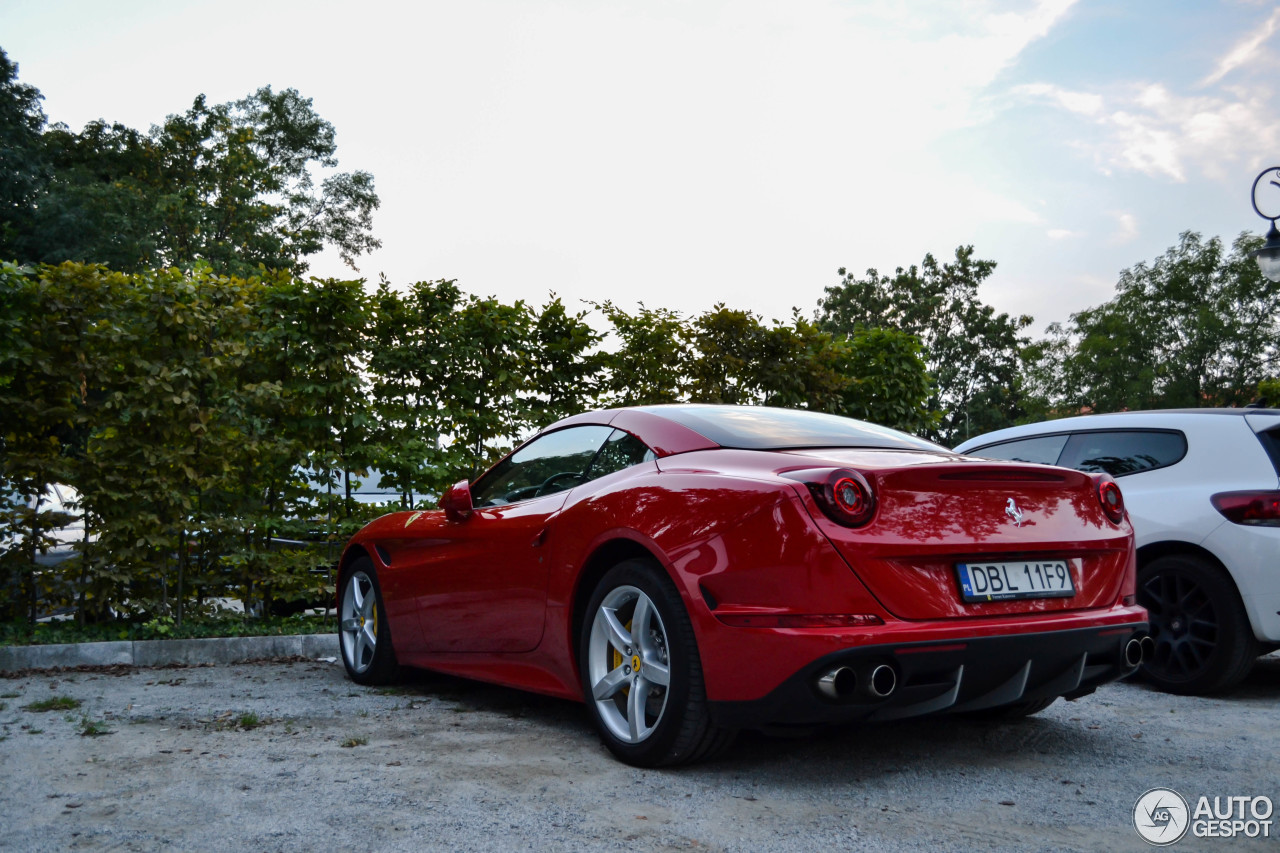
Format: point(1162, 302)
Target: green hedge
point(191, 410)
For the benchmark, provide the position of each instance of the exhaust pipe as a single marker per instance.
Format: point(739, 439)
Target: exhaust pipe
point(1148, 647)
point(838, 683)
point(882, 682)
point(1134, 652)
point(842, 682)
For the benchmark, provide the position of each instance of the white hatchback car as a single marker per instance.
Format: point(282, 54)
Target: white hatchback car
point(1202, 488)
point(60, 542)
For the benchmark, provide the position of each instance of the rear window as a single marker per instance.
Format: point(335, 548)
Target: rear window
point(1121, 452)
point(765, 428)
point(1270, 439)
point(1042, 450)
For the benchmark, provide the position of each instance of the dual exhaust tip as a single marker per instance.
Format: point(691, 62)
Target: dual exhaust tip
point(879, 681)
point(876, 681)
point(1137, 650)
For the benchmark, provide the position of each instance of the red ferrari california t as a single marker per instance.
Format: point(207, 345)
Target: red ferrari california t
point(691, 570)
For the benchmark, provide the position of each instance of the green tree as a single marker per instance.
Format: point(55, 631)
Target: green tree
point(972, 352)
point(732, 357)
point(407, 356)
point(1197, 327)
point(567, 366)
point(236, 186)
point(22, 165)
point(649, 357)
point(888, 384)
point(44, 320)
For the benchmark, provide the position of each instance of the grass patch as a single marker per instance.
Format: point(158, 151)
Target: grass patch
point(93, 728)
point(354, 742)
point(53, 703)
point(54, 633)
point(249, 720)
point(231, 721)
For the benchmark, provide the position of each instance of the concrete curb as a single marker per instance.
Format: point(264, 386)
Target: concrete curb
point(161, 652)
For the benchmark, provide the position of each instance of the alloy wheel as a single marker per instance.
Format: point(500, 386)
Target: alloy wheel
point(358, 622)
point(1184, 624)
point(628, 664)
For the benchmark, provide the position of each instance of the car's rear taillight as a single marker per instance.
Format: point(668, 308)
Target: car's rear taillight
point(1255, 508)
point(1110, 498)
point(843, 495)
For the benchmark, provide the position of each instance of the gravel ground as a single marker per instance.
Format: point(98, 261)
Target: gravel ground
point(289, 755)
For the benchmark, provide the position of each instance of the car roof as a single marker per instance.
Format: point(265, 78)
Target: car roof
point(681, 427)
point(1109, 420)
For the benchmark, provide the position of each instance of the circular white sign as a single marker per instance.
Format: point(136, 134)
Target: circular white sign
point(1161, 816)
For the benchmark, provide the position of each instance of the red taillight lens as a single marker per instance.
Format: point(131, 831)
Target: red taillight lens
point(1255, 508)
point(844, 496)
point(850, 496)
point(1111, 499)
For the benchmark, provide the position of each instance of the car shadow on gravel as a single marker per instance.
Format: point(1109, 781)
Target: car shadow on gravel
point(469, 695)
point(1262, 683)
point(946, 744)
point(949, 744)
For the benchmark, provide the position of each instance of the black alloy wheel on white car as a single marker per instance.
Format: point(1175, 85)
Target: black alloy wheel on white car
point(1203, 639)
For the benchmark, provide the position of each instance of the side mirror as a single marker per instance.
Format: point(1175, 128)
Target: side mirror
point(456, 501)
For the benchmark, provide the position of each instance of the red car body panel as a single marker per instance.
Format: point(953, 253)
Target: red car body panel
point(499, 596)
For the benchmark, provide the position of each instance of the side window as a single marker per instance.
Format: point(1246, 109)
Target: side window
point(622, 450)
point(1124, 451)
point(553, 463)
point(1043, 450)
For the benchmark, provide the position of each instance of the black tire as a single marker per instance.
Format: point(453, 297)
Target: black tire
point(1203, 640)
point(673, 726)
point(363, 635)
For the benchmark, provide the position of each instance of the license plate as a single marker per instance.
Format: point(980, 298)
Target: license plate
point(1017, 579)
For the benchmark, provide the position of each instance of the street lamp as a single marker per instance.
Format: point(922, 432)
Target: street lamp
point(1269, 255)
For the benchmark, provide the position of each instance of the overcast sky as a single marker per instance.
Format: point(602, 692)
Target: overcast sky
point(689, 153)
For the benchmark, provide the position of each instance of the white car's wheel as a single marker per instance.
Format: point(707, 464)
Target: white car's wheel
point(1203, 641)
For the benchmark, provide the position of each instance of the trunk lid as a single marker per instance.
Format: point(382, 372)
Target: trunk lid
point(935, 512)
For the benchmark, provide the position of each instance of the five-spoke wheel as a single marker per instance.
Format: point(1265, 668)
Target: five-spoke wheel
point(628, 665)
point(362, 626)
point(641, 675)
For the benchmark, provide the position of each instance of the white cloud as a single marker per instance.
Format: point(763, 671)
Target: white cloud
point(1126, 229)
point(1150, 129)
point(1084, 103)
point(1156, 129)
point(1062, 234)
point(1245, 50)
